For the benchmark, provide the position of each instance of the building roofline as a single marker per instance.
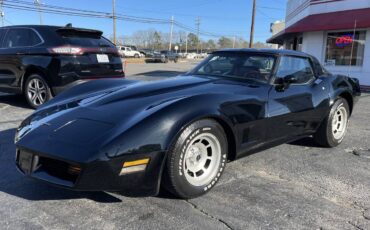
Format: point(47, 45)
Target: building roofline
point(339, 20)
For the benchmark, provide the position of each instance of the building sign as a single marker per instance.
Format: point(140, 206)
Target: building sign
point(344, 40)
point(330, 62)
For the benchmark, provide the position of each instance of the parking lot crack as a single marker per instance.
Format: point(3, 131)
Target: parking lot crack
point(356, 226)
point(359, 152)
point(366, 214)
point(204, 212)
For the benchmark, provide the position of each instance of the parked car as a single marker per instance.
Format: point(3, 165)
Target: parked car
point(180, 132)
point(163, 56)
point(42, 61)
point(202, 55)
point(145, 52)
point(128, 52)
point(132, 47)
point(191, 56)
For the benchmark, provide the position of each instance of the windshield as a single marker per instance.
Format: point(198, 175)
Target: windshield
point(244, 65)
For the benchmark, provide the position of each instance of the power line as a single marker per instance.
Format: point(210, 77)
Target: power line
point(52, 9)
point(270, 8)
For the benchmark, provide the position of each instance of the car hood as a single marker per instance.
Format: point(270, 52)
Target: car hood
point(111, 110)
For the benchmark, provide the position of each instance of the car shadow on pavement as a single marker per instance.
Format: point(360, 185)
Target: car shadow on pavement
point(14, 100)
point(306, 142)
point(14, 183)
point(161, 73)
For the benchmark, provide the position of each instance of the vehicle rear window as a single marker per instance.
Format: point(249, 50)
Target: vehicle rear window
point(85, 39)
point(88, 42)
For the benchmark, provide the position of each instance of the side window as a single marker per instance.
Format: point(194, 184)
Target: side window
point(2, 34)
point(318, 67)
point(21, 37)
point(298, 67)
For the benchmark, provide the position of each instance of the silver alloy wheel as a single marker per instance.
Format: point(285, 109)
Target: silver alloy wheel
point(339, 122)
point(36, 91)
point(202, 159)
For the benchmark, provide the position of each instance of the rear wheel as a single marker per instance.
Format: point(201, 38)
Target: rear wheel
point(196, 160)
point(137, 56)
point(37, 91)
point(333, 129)
point(164, 60)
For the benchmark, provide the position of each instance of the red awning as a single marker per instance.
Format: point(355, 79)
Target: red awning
point(339, 20)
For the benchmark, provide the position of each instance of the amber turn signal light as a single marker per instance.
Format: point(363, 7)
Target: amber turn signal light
point(134, 166)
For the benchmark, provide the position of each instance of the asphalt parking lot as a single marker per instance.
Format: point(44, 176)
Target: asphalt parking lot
point(292, 186)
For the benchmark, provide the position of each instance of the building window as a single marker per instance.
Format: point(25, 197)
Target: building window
point(345, 48)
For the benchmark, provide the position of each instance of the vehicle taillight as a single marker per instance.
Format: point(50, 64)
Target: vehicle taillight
point(67, 50)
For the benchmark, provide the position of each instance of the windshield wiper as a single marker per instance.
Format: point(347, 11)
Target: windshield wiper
point(228, 76)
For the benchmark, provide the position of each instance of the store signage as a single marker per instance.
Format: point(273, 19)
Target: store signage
point(344, 40)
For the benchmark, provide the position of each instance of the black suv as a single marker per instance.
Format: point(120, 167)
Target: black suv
point(42, 61)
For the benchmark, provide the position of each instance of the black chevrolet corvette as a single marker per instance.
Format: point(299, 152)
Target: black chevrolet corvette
point(135, 137)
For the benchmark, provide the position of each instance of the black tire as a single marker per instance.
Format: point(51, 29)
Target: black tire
point(176, 60)
point(176, 176)
point(36, 95)
point(325, 134)
point(137, 56)
point(164, 60)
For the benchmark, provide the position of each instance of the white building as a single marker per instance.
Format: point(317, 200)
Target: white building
point(275, 28)
point(337, 32)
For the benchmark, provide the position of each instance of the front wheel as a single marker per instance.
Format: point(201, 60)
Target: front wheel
point(37, 91)
point(333, 129)
point(196, 160)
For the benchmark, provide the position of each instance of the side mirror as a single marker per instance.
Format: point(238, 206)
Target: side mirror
point(289, 79)
point(284, 83)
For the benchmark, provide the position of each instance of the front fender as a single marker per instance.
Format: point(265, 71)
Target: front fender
point(345, 86)
point(156, 128)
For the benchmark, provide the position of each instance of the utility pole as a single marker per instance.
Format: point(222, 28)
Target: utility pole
point(234, 41)
point(38, 3)
point(2, 13)
point(186, 43)
point(252, 26)
point(197, 23)
point(170, 46)
point(114, 21)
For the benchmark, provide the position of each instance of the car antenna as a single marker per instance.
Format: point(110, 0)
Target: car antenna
point(69, 25)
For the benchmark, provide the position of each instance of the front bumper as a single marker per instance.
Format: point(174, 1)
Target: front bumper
point(97, 175)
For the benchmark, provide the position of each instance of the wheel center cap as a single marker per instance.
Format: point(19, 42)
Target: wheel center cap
point(196, 155)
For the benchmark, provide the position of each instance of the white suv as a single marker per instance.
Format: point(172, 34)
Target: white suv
point(128, 52)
